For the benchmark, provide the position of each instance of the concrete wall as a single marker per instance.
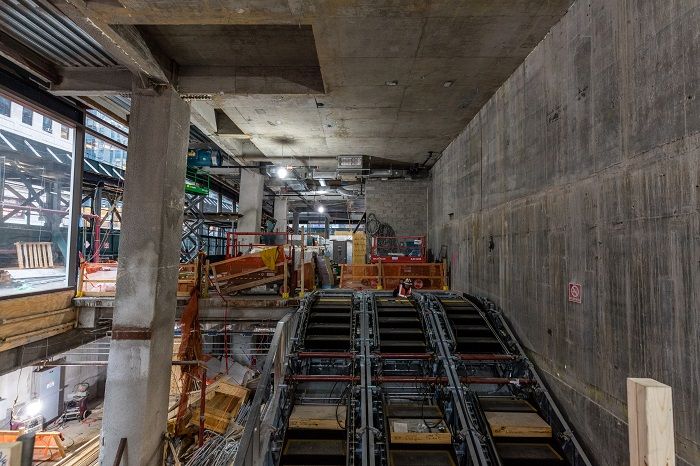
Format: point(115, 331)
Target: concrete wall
point(584, 167)
point(401, 203)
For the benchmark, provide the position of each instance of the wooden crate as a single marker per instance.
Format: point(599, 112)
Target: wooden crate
point(222, 405)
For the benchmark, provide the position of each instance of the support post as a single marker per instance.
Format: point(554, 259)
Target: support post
point(303, 249)
point(250, 204)
point(295, 223)
point(650, 417)
point(281, 213)
point(138, 373)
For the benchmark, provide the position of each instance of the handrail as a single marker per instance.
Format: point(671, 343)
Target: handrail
point(252, 449)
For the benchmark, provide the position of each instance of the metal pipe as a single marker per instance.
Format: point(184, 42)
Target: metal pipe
point(324, 354)
point(322, 378)
point(443, 380)
point(487, 357)
point(404, 355)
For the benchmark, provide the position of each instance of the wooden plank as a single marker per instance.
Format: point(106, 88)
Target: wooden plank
point(253, 284)
point(49, 250)
point(20, 256)
point(650, 417)
point(35, 304)
point(31, 337)
point(21, 326)
point(514, 424)
point(325, 417)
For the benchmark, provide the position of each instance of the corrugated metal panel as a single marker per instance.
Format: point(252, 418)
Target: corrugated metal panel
point(42, 27)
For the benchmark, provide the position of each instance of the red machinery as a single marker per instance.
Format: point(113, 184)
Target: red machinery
point(398, 249)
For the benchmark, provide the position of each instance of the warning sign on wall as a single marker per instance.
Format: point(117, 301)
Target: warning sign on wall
point(575, 291)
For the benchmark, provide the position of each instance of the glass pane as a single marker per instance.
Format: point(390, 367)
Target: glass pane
point(47, 125)
point(5, 106)
point(97, 149)
point(106, 130)
point(27, 116)
point(108, 119)
point(35, 183)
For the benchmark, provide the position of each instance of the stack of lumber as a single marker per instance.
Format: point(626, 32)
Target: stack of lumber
point(86, 455)
point(32, 318)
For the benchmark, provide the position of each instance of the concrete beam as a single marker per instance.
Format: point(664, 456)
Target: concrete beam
point(138, 374)
point(123, 42)
point(93, 81)
point(250, 80)
point(204, 116)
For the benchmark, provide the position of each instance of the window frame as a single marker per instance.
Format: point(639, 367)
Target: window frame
point(26, 109)
point(50, 126)
point(9, 106)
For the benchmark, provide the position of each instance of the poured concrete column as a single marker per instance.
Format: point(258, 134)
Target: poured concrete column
point(281, 213)
point(250, 201)
point(140, 353)
point(295, 222)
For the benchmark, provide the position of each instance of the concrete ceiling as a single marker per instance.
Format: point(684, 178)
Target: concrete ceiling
point(401, 77)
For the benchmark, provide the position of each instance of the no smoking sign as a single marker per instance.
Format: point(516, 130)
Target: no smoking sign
point(575, 292)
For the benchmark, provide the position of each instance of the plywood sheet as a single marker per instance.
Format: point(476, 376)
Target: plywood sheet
point(326, 417)
point(514, 424)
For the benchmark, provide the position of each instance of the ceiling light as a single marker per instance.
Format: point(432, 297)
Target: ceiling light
point(392, 83)
point(322, 182)
point(320, 209)
point(282, 173)
point(447, 83)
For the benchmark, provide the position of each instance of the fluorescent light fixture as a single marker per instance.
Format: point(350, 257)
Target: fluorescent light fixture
point(322, 182)
point(323, 191)
point(320, 209)
point(282, 173)
point(34, 407)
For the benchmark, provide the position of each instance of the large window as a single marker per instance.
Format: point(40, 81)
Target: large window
point(36, 169)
